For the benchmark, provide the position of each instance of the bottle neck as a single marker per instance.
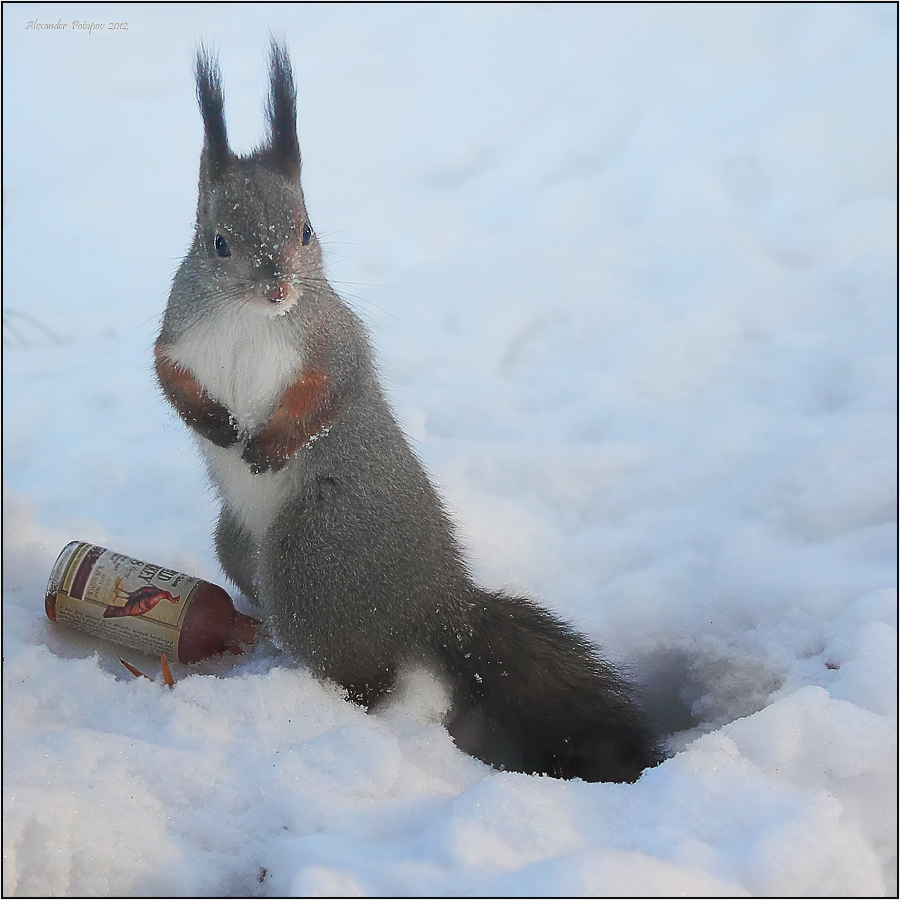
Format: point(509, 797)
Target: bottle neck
point(242, 631)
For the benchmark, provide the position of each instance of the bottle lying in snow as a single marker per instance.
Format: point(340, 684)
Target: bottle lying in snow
point(144, 606)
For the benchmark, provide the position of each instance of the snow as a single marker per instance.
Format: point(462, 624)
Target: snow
point(631, 276)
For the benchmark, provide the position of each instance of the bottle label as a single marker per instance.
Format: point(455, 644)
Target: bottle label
point(124, 600)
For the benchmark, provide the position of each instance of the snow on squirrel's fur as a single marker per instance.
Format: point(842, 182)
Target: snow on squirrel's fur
point(630, 275)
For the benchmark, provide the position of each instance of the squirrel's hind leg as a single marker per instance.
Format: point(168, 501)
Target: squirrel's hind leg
point(238, 554)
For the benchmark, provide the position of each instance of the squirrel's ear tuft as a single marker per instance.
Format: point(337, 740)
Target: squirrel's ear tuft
point(284, 149)
point(212, 105)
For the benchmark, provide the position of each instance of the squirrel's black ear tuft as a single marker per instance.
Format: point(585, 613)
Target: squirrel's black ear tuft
point(284, 149)
point(212, 105)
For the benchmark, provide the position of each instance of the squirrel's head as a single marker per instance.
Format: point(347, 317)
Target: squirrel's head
point(253, 231)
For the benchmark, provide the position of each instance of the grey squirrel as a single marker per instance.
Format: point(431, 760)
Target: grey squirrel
point(328, 521)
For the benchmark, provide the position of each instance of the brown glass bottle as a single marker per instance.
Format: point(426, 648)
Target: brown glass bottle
point(142, 605)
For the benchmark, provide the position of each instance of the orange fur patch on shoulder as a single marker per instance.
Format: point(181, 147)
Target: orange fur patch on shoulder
point(305, 397)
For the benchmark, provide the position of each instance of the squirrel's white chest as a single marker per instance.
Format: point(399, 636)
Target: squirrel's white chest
point(242, 359)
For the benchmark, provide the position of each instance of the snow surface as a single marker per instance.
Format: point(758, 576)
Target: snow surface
point(630, 273)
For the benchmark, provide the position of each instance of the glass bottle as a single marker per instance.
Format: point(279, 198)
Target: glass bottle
point(144, 606)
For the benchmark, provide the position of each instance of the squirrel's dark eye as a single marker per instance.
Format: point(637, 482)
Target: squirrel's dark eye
point(307, 234)
point(222, 246)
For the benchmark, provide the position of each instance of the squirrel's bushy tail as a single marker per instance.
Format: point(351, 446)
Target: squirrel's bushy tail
point(535, 696)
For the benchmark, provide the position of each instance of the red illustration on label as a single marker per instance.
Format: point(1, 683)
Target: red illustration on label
point(138, 602)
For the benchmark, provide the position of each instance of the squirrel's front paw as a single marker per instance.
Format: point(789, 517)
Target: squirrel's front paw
point(264, 453)
point(216, 424)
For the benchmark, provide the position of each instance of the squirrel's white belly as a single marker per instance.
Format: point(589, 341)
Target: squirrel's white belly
point(254, 499)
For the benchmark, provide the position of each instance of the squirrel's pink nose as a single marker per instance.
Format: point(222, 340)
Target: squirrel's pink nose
point(275, 293)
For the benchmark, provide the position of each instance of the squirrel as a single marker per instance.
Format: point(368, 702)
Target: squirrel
point(328, 522)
